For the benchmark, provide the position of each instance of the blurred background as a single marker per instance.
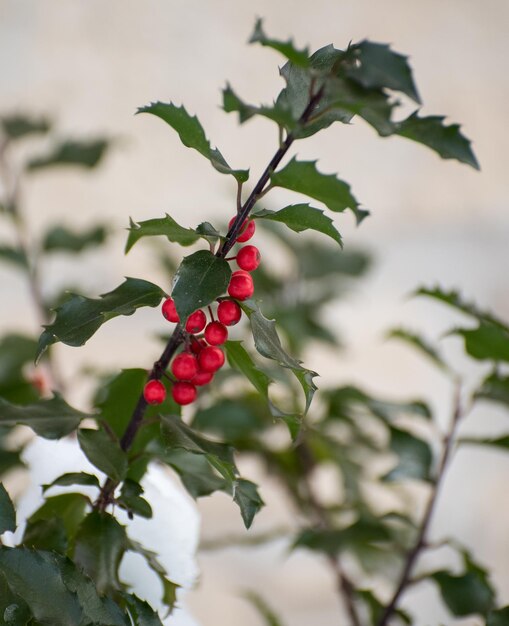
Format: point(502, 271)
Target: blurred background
point(90, 64)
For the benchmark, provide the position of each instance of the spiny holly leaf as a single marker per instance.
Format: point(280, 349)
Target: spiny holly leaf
point(79, 317)
point(7, 511)
point(17, 126)
point(15, 256)
point(73, 478)
point(169, 587)
point(301, 217)
point(279, 112)
point(303, 177)
point(100, 544)
point(495, 387)
point(414, 456)
point(487, 342)
point(201, 278)
point(206, 231)
point(177, 434)
point(418, 342)
point(141, 612)
point(164, 226)
point(84, 153)
point(246, 495)
point(51, 419)
point(192, 135)
point(61, 239)
point(131, 500)
point(379, 67)
point(286, 48)
point(447, 141)
point(103, 452)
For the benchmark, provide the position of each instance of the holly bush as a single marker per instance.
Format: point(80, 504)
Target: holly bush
point(237, 330)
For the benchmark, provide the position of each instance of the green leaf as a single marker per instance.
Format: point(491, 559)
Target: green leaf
point(196, 473)
point(177, 434)
point(68, 507)
point(286, 48)
point(131, 500)
point(500, 617)
point(303, 177)
point(99, 547)
point(418, 342)
point(379, 67)
point(466, 593)
point(141, 612)
point(15, 352)
point(206, 231)
point(163, 226)
point(200, 279)
point(279, 112)
point(445, 140)
point(73, 478)
point(496, 388)
point(16, 256)
point(84, 153)
point(414, 456)
point(79, 317)
point(487, 342)
point(246, 495)
point(267, 614)
point(61, 239)
point(301, 217)
point(51, 419)
point(17, 126)
point(48, 534)
point(239, 359)
point(7, 511)
point(192, 135)
point(498, 442)
point(103, 452)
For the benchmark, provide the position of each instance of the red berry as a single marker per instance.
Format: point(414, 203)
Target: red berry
point(211, 359)
point(216, 333)
point(229, 312)
point(248, 258)
point(247, 230)
point(154, 392)
point(196, 322)
point(183, 393)
point(184, 366)
point(169, 310)
point(202, 378)
point(197, 345)
point(241, 285)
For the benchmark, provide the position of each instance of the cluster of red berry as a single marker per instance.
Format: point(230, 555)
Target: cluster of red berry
point(202, 357)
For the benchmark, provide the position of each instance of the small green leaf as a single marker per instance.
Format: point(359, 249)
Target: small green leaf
point(447, 141)
point(84, 153)
point(51, 419)
point(487, 342)
point(279, 112)
point(17, 125)
point(131, 500)
point(73, 478)
point(163, 226)
point(414, 456)
point(99, 547)
point(286, 48)
point(141, 612)
point(303, 177)
point(206, 231)
point(301, 217)
point(418, 342)
point(177, 434)
point(192, 135)
point(200, 279)
point(61, 239)
point(103, 452)
point(246, 495)
point(496, 388)
point(7, 511)
point(79, 317)
point(16, 256)
point(467, 593)
point(379, 67)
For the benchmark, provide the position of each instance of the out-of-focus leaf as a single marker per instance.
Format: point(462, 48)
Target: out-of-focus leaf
point(240, 359)
point(247, 497)
point(416, 341)
point(84, 153)
point(15, 352)
point(500, 617)
point(51, 419)
point(100, 544)
point(236, 420)
point(266, 613)
point(79, 317)
point(414, 456)
point(447, 141)
point(17, 125)
point(68, 507)
point(16, 256)
point(301, 217)
point(200, 279)
point(497, 442)
point(61, 239)
point(488, 342)
point(103, 452)
point(7, 511)
point(286, 48)
point(192, 135)
point(163, 226)
point(495, 387)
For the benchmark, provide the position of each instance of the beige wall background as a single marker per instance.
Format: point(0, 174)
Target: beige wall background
point(91, 63)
